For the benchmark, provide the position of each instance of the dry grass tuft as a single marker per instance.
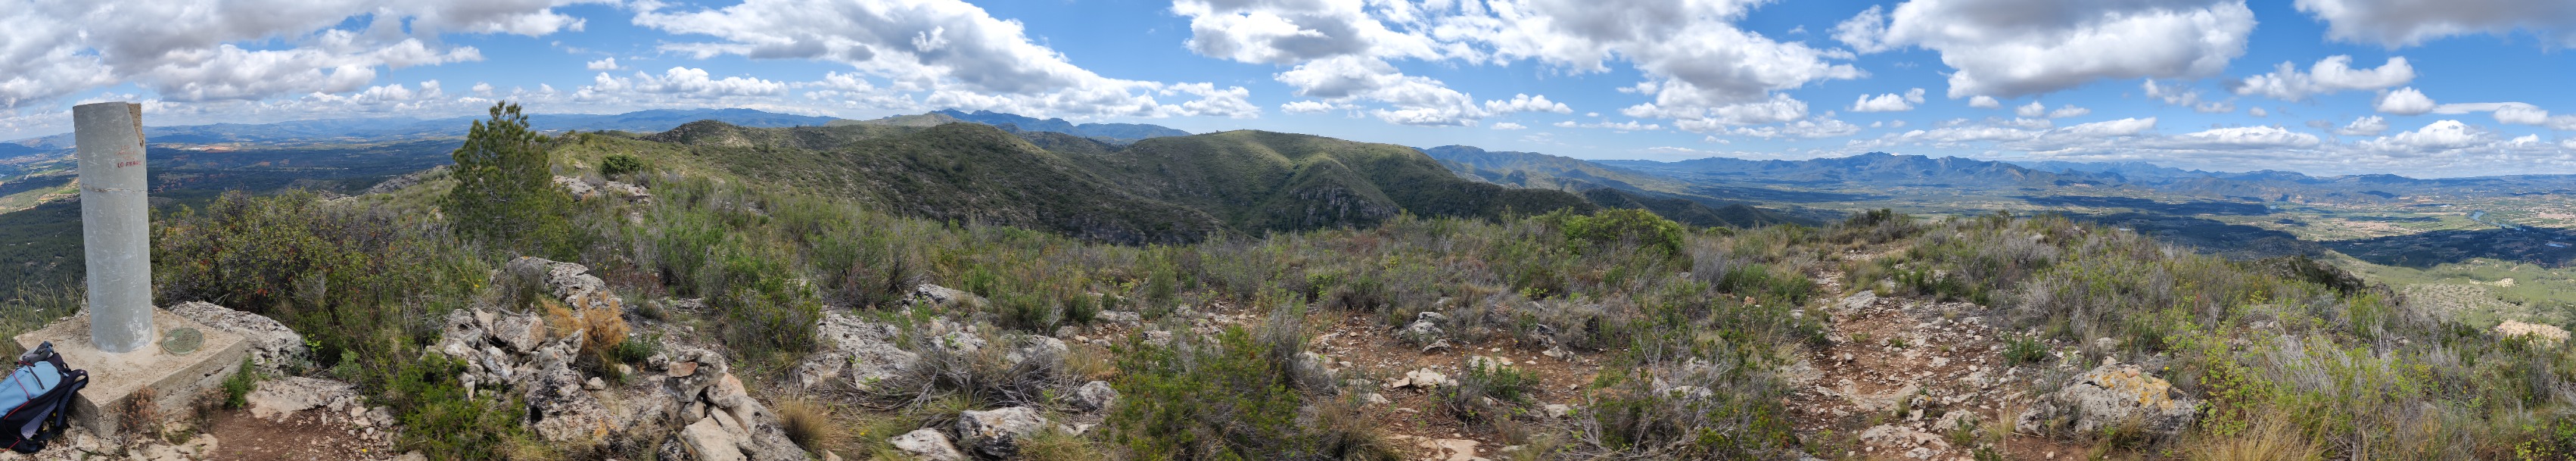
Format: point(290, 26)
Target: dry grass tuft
point(809, 424)
point(2268, 440)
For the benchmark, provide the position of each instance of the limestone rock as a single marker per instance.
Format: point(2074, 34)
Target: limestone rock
point(578, 188)
point(934, 295)
point(1128, 318)
point(1451, 449)
point(707, 440)
point(271, 344)
point(927, 445)
point(1043, 349)
point(2111, 395)
point(562, 280)
point(559, 409)
point(959, 343)
point(996, 433)
point(522, 332)
point(1857, 301)
point(1094, 396)
point(274, 399)
point(862, 353)
point(1425, 327)
point(633, 193)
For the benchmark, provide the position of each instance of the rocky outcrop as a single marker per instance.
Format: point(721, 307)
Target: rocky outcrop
point(565, 281)
point(2112, 396)
point(272, 346)
point(996, 433)
point(861, 354)
point(685, 398)
point(2543, 335)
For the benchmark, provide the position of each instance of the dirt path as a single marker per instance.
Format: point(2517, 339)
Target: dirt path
point(1910, 378)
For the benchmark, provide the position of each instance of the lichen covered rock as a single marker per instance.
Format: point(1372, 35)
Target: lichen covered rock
point(2108, 397)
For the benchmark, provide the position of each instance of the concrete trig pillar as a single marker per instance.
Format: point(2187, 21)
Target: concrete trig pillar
point(115, 226)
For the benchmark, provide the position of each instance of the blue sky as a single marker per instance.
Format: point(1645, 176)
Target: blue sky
point(2422, 88)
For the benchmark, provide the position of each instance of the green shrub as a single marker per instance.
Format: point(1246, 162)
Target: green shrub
point(2020, 349)
point(1082, 308)
point(1619, 225)
point(620, 164)
point(238, 386)
point(505, 192)
point(1225, 400)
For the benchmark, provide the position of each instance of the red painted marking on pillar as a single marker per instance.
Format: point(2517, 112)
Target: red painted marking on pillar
point(127, 163)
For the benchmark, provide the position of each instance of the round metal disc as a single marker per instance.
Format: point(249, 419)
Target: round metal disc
point(182, 340)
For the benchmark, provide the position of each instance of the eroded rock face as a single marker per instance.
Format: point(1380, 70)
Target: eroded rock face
point(996, 433)
point(561, 411)
point(2109, 396)
point(272, 345)
point(927, 445)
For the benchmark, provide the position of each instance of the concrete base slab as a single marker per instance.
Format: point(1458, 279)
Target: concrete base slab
point(174, 380)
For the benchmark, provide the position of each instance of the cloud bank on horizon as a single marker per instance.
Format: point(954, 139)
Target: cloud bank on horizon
point(2415, 87)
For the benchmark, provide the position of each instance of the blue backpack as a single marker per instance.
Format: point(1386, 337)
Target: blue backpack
point(38, 397)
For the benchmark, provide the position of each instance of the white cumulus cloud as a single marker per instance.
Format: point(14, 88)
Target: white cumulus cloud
point(2395, 23)
point(2404, 101)
point(198, 52)
point(1889, 102)
point(2329, 75)
point(2012, 48)
point(957, 52)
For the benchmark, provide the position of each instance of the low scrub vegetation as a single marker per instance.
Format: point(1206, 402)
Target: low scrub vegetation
point(1693, 328)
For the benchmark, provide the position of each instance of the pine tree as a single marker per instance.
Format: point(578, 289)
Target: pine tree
point(505, 194)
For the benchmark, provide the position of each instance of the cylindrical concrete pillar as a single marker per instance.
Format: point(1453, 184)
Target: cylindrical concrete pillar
point(115, 226)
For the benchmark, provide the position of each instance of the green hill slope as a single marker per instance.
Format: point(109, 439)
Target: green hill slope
point(1160, 190)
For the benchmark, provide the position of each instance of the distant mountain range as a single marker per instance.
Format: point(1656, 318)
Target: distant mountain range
point(1123, 132)
point(404, 129)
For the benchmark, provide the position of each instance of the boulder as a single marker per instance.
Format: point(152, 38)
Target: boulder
point(564, 281)
point(1094, 396)
point(521, 332)
point(996, 433)
point(462, 334)
point(274, 399)
point(707, 440)
point(1045, 350)
point(1425, 327)
point(2111, 396)
point(934, 295)
point(271, 344)
point(862, 353)
point(927, 445)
